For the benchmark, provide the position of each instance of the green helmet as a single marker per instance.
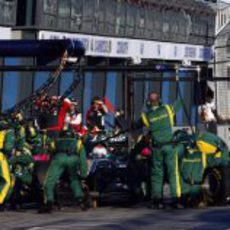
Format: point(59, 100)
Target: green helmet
point(3, 125)
point(31, 132)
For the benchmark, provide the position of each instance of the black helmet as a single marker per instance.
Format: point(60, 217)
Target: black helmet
point(67, 131)
point(181, 136)
point(95, 99)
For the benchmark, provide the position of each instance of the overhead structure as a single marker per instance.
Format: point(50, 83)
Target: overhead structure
point(41, 48)
point(62, 49)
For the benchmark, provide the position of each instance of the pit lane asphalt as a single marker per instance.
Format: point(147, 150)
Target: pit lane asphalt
point(132, 218)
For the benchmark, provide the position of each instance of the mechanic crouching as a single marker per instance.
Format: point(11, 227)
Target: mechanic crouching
point(214, 149)
point(21, 163)
point(192, 167)
point(70, 156)
point(197, 155)
point(6, 148)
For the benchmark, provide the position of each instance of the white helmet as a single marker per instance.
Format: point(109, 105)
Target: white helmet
point(99, 151)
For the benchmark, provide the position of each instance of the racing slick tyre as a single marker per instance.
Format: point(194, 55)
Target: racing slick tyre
point(226, 185)
point(213, 186)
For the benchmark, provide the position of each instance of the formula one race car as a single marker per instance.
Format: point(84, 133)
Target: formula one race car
point(108, 177)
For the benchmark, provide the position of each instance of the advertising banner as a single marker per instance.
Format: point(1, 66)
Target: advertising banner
point(135, 48)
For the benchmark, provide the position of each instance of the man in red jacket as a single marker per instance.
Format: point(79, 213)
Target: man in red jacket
point(74, 119)
point(69, 115)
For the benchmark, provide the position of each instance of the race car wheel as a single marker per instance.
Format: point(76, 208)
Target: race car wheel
point(213, 186)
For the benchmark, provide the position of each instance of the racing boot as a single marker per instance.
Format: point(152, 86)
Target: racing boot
point(83, 203)
point(86, 201)
point(47, 208)
point(2, 207)
point(156, 204)
point(177, 204)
